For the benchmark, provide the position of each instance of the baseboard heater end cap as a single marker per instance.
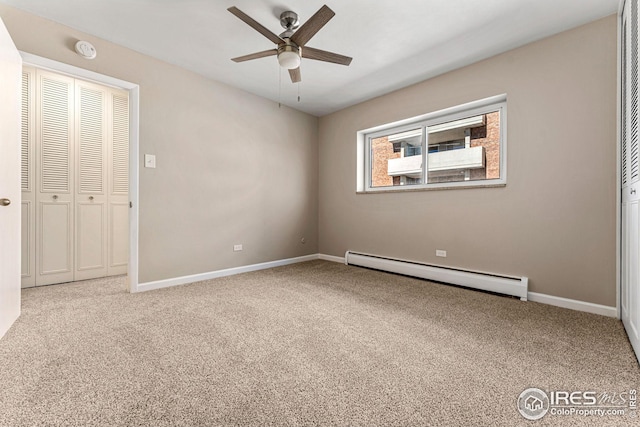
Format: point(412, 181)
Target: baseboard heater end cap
point(525, 284)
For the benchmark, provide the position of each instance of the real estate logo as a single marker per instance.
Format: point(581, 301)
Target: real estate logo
point(533, 403)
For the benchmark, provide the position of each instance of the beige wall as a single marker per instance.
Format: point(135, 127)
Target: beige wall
point(554, 222)
point(227, 173)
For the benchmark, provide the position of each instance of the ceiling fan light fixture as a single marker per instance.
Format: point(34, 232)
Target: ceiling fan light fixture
point(290, 43)
point(289, 57)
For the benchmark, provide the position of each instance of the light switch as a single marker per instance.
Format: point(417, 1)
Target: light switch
point(149, 161)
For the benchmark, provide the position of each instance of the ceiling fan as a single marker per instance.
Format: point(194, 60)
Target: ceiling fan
point(292, 42)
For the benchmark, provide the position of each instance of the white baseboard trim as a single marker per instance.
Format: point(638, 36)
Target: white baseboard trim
point(159, 284)
point(531, 296)
point(573, 304)
point(331, 258)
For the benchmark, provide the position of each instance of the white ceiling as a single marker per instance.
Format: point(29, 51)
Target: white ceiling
point(394, 43)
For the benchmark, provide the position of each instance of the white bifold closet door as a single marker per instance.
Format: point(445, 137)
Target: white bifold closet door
point(28, 204)
point(54, 177)
point(75, 142)
point(118, 244)
point(91, 181)
point(630, 174)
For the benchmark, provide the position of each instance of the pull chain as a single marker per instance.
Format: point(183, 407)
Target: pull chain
point(279, 87)
point(299, 83)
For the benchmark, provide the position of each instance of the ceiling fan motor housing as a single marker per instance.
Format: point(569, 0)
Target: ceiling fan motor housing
point(289, 20)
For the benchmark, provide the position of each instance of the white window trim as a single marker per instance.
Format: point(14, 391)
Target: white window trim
point(483, 106)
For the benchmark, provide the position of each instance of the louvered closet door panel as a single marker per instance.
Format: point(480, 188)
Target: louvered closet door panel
point(28, 204)
point(55, 186)
point(624, 100)
point(27, 132)
point(119, 183)
point(120, 143)
point(91, 181)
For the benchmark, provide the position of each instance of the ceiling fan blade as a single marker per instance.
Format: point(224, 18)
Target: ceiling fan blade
point(295, 75)
point(255, 25)
point(323, 55)
point(270, 52)
point(312, 26)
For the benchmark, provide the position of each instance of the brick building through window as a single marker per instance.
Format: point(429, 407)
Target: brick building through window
point(460, 150)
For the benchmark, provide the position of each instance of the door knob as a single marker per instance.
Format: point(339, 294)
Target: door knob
point(633, 191)
point(5, 202)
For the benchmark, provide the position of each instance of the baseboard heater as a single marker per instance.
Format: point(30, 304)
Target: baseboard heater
point(498, 283)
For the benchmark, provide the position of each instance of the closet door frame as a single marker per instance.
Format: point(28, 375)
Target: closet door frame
point(134, 157)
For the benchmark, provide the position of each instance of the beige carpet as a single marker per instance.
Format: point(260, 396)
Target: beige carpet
point(316, 343)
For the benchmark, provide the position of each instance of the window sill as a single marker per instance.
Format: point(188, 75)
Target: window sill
point(411, 190)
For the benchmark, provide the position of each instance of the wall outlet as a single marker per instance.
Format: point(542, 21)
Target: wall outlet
point(237, 248)
point(441, 253)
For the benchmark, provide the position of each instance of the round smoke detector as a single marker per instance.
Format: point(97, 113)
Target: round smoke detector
point(86, 49)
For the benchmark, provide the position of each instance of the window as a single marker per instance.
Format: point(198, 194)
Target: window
point(458, 147)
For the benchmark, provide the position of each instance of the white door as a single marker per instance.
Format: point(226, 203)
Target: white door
point(630, 175)
point(10, 76)
point(55, 193)
point(91, 181)
point(119, 183)
point(629, 296)
point(28, 204)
